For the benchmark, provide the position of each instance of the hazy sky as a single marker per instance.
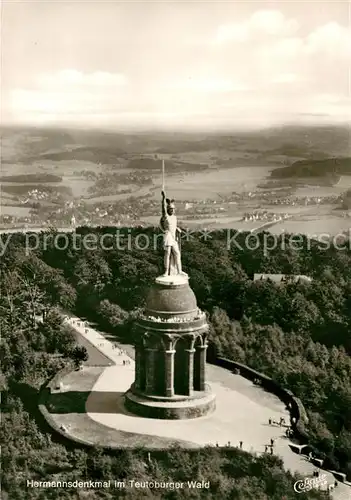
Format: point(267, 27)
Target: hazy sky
point(176, 64)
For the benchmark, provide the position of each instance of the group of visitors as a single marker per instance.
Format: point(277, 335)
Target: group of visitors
point(229, 444)
point(280, 423)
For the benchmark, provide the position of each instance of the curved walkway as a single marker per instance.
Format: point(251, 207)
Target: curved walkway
point(242, 412)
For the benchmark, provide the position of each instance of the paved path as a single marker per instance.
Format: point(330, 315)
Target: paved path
point(242, 412)
point(111, 350)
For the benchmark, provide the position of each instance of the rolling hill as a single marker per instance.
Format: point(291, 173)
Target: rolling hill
point(314, 168)
point(24, 144)
point(86, 153)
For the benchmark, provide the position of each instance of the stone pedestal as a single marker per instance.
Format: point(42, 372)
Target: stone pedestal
point(170, 360)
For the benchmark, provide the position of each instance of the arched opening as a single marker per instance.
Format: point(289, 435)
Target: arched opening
point(197, 364)
point(180, 360)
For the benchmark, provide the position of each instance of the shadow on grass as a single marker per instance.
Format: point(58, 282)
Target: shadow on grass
point(87, 402)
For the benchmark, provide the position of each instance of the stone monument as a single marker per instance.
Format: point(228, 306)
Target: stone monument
point(170, 350)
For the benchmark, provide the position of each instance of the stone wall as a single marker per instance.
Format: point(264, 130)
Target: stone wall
point(45, 391)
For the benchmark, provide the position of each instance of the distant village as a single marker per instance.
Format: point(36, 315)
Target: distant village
point(50, 206)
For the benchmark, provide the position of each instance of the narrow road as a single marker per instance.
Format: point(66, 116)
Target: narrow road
point(111, 350)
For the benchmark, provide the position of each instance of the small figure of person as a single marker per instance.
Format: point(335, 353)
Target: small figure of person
point(241, 445)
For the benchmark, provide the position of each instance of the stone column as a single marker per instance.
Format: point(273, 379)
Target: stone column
point(189, 371)
point(202, 368)
point(138, 367)
point(169, 373)
point(150, 370)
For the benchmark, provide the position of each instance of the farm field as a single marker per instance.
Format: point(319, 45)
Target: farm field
point(237, 163)
point(16, 211)
point(315, 225)
point(321, 191)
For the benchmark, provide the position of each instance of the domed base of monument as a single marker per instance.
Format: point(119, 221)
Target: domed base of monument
point(175, 408)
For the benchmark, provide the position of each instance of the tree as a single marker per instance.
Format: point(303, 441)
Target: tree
point(79, 355)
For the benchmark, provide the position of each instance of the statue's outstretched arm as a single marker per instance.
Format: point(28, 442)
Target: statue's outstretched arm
point(164, 204)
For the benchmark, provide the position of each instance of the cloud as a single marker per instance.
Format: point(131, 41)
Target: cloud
point(272, 22)
point(72, 77)
point(286, 78)
point(210, 85)
point(263, 68)
point(330, 39)
point(231, 33)
point(261, 23)
point(71, 92)
point(278, 36)
point(29, 100)
point(270, 53)
point(282, 49)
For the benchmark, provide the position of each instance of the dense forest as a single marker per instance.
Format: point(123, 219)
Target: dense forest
point(314, 168)
point(297, 333)
point(90, 153)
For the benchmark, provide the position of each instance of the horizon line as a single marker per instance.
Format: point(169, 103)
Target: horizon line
point(174, 129)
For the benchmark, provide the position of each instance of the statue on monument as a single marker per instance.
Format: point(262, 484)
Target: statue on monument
point(171, 235)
